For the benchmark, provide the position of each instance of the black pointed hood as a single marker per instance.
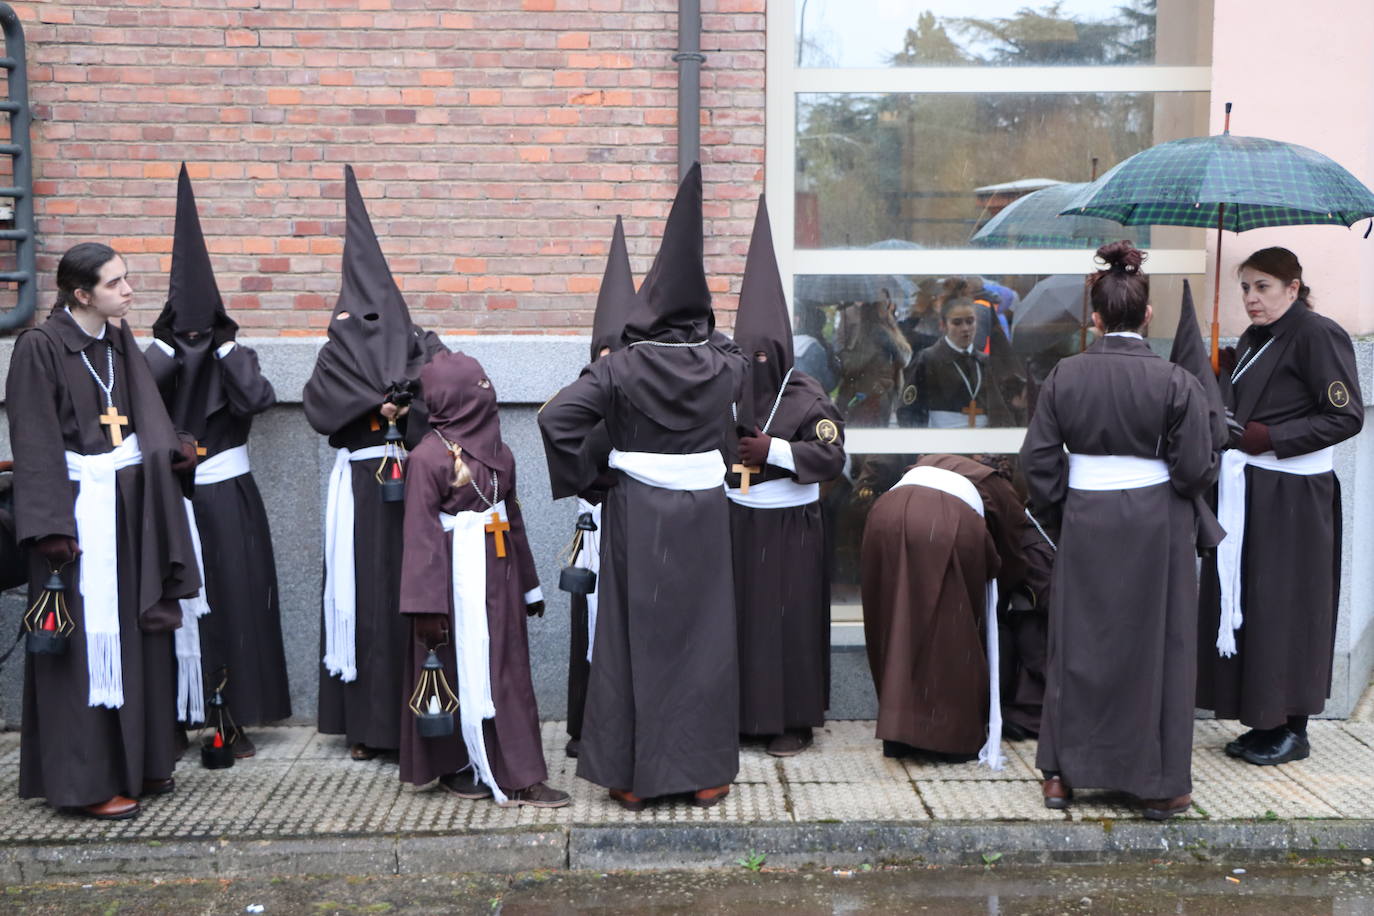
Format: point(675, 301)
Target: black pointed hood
point(1190, 352)
point(615, 297)
point(372, 345)
point(762, 324)
point(674, 303)
point(193, 320)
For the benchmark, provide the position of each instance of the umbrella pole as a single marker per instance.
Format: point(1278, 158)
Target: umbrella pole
point(1216, 296)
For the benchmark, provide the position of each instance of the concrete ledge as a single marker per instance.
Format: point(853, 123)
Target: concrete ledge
point(595, 848)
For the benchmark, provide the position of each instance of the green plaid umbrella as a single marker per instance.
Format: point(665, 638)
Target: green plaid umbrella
point(1234, 183)
point(1033, 221)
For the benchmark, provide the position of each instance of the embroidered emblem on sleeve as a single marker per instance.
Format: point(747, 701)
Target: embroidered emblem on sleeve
point(1338, 394)
point(909, 395)
point(827, 431)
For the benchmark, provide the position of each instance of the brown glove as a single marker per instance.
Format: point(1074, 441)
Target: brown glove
point(184, 459)
point(753, 450)
point(535, 610)
point(1255, 440)
point(57, 549)
point(431, 630)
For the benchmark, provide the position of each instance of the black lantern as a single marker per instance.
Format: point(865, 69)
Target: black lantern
point(433, 701)
point(48, 624)
point(391, 472)
point(217, 751)
point(575, 579)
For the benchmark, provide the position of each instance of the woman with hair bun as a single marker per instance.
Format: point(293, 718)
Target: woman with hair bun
point(1268, 620)
point(1119, 446)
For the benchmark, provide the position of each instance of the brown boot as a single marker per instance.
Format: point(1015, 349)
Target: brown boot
point(628, 800)
point(1057, 795)
point(536, 796)
point(117, 808)
point(1161, 809)
point(709, 798)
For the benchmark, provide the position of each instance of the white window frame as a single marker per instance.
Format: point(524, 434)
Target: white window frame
point(785, 81)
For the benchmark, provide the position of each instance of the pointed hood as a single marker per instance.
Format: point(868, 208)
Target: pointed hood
point(1190, 352)
point(462, 407)
point(193, 320)
point(372, 343)
point(616, 295)
point(674, 303)
point(762, 324)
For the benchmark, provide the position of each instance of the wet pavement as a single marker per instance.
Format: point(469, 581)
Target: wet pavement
point(1334, 888)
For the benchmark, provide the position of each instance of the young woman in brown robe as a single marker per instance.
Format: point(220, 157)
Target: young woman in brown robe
point(1118, 710)
point(1293, 392)
point(460, 496)
point(95, 737)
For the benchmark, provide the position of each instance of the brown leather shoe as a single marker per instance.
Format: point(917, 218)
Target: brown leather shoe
point(464, 785)
point(790, 743)
point(117, 808)
point(160, 786)
point(628, 800)
point(244, 746)
point(1057, 795)
point(361, 751)
point(1161, 809)
point(536, 796)
point(709, 798)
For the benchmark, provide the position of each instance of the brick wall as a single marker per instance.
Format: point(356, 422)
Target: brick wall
point(495, 140)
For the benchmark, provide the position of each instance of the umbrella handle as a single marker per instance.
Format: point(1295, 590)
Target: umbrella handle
point(1216, 288)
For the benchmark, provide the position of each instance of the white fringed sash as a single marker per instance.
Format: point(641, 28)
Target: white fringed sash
point(782, 493)
point(226, 465)
point(98, 571)
point(589, 557)
point(190, 680)
point(1115, 472)
point(960, 487)
point(340, 586)
point(1231, 514)
point(471, 638)
point(667, 471)
point(955, 419)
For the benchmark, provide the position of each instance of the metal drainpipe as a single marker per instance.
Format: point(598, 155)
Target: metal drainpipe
point(20, 148)
point(689, 60)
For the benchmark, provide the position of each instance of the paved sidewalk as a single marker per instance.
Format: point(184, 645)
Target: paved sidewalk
point(301, 805)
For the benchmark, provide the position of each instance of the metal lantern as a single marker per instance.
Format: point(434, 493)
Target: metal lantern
point(433, 701)
point(391, 472)
point(217, 751)
point(48, 623)
point(575, 579)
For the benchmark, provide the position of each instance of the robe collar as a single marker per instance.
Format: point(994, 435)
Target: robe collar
point(961, 351)
point(74, 336)
point(1256, 378)
point(1129, 346)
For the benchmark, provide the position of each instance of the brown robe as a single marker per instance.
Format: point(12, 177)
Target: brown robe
point(512, 736)
point(1118, 710)
point(1291, 567)
point(926, 561)
point(72, 753)
point(242, 632)
point(782, 579)
point(1024, 621)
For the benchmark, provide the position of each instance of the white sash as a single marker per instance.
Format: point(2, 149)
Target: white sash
point(667, 471)
point(471, 639)
point(960, 487)
point(1115, 472)
point(589, 557)
point(782, 493)
point(190, 681)
point(1231, 515)
point(340, 595)
point(98, 570)
point(228, 464)
point(955, 419)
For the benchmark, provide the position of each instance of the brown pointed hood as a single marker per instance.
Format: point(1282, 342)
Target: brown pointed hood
point(615, 297)
point(762, 324)
point(674, 303)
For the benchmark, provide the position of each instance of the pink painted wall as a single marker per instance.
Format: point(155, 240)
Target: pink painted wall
point(1301, 73)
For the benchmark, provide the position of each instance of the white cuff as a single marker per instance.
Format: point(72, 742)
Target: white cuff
point(224, 349)
point(780, 454)
point(165, 347)
point(534, 594)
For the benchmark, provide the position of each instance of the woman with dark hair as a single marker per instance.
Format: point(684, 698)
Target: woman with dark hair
point(1120, 444)
point(1268, 620)
point(97, 503)
point(949, 384)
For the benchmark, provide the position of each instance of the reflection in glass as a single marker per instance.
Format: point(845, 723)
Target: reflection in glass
point(1002, 33)
point(930, 170)
point(955, 351)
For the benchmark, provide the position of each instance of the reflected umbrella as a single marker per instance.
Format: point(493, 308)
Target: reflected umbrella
point(1034, 221)
point(836, 289)
point(1051, 312)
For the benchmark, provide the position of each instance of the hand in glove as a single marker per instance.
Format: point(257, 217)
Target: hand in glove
point(57, 549)
point(431, 630)
point(536, 609)
point(1255, 440)
point(184, 459)
point(753, 450)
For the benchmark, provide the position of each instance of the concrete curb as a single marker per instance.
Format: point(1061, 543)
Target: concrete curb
point(604, 848)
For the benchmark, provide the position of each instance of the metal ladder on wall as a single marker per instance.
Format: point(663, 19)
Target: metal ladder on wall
point(21, 152)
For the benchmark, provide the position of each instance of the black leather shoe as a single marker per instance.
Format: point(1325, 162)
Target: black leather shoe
point(1284, 746)
point(1236, 747)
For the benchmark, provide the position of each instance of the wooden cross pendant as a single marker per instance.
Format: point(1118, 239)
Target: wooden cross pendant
point(201, 451)
point(973, 413)
point(745, 472)
point(497, 528)
point(116, 423)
